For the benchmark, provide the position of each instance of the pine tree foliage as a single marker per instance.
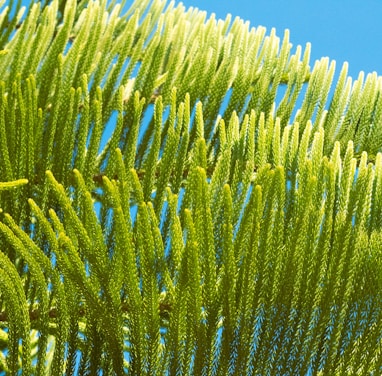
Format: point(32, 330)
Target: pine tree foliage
point(183, 196)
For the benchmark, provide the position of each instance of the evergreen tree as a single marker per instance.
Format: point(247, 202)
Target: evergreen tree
point(183, 196)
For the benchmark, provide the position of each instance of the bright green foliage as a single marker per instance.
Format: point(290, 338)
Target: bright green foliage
point(173, 204)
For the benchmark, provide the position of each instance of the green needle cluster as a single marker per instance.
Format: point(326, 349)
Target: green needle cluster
point(182, 195)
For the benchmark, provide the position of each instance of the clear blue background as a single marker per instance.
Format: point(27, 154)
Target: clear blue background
point(343, 30)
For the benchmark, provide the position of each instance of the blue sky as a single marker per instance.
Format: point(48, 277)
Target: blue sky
point(343, 30)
